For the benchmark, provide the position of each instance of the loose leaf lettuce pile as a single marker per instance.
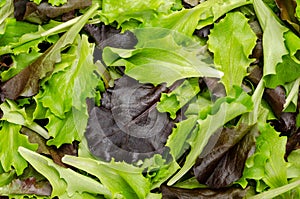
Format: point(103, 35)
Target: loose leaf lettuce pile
point(159, 99)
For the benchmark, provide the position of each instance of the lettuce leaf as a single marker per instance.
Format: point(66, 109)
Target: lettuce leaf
point(175, 100)
point(122, 179)
point(267, 165)
point(65, 182)
point(224, 110)
point(273, 40)
point(77, 71)
point(164, 55)
point(10, 140)
point(206, 13)
point(26, 83)
point(52, 2)
point(14, 114)
point(6, 11)
point(137, 12)
point(232, 48)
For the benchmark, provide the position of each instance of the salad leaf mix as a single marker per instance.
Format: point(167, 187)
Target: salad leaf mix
point(159, 99)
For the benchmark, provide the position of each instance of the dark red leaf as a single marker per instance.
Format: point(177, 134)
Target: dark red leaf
point(127, 126)
point(224, 193)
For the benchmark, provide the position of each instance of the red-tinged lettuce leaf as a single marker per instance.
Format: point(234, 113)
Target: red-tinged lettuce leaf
point(224, 110)
point(122, 179)
point(177, 55)
point(232, 48)
point(50, 10)
point(222, 161)
point(10, 141)
point(27, 186)
point(127, 126)
point(20, 62)
point(26, 83)
point(204, 193)
point(65, 183)
point(288, 12)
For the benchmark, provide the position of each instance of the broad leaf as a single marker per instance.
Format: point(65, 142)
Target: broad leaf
point(10, 141)
point(187, 21)
point(127, 126)
point(267, 164)
point(62, 179)
point(68, 129)
point(164, 55)
point(123, 180)
point(232, 48)
point(138, 11)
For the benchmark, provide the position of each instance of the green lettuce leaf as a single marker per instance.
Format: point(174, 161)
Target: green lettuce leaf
point(298, 9)
point(23, 37)
point(6, 11)
point(175, 100)
point(224, 110)
point(122, 179)
point(14, 114)
point(232, 48)
point(273, 40)
point(52, 2)
point(291, 101)
point(10, 141)
point(165, 56)
point(187, 20)
point(65, 182)
point(68, 129)
point(267, 165)
point(20, 62)
point(126, 11)
point(26, 83)
point(77, 73)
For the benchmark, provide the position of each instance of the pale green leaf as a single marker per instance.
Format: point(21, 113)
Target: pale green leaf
point(268, 164)
point(10, 140)
point(273, 40)
point(232, 41)
point(13, 114)
point(122, 179)
point(65, 182)
point(77, 73)
point(207, 12)
point(165, 56)
point(138, 11)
